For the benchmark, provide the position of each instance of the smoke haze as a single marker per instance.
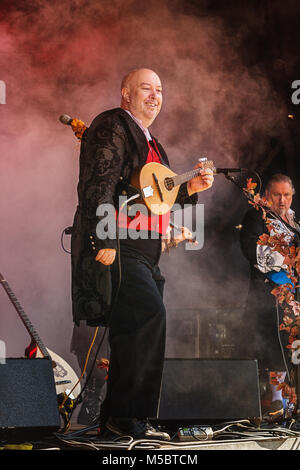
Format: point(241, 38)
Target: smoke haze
point(69, 57)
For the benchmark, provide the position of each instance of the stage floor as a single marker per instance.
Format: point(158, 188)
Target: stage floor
point(234, 437)
point(280, 438)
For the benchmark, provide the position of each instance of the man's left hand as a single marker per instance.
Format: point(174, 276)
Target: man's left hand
point(202, 182)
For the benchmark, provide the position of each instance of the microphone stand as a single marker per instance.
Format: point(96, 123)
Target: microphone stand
point(297, 292)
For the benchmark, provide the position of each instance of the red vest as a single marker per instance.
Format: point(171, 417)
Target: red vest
point(156, 223)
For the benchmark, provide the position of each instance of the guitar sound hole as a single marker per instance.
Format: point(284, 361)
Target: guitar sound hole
point(169, 183)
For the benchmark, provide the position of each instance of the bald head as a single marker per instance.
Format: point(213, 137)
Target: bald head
point(141, 92)
point(128, 78)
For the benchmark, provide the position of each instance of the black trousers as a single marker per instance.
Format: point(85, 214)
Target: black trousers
point(266, 342)
point(137, 333)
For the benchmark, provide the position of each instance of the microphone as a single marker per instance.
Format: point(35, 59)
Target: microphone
point(223, 170)
point(229, 170)
point(65, 119)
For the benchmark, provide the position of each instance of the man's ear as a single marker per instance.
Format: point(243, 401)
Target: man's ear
point(125, 94)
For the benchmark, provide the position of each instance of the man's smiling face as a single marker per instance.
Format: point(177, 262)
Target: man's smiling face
point(142, 95)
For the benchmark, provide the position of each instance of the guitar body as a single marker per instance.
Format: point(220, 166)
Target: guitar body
point(159, 186)
point(155, 177)
point(64, 376)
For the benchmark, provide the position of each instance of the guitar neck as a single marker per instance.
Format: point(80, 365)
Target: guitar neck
point(27, 323)
point(180, 179)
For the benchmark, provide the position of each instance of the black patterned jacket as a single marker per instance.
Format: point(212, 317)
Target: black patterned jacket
point(111, 148)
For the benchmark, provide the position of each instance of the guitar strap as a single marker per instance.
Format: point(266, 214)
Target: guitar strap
point(154, 154)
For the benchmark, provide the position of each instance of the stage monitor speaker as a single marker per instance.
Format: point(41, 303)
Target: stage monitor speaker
point(209, 391)
point(28, 400)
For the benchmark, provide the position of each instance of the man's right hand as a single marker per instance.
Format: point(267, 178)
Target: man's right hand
point(106, 256)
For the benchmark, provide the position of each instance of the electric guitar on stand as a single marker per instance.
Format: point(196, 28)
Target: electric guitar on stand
point(65, 378)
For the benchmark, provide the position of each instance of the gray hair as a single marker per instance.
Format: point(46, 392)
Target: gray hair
point(279, 178)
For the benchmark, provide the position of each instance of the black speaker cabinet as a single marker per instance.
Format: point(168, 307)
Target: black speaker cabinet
point(28, 400)
point(209, 391)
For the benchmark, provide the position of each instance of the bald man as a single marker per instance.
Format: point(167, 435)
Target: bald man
point(117, 281)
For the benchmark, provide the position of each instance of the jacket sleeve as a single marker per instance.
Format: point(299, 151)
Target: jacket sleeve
point(183, 196)
point(260, 256)
point(106, 153)
point(252, 228)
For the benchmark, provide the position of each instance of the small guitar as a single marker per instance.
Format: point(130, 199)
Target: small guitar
point(64, 376)
point(158, 186)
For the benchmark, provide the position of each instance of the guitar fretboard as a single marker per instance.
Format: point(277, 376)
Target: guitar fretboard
point(27, 323)
point(180, 179)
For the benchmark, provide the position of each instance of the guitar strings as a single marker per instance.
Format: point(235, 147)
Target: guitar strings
point(206, 165)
